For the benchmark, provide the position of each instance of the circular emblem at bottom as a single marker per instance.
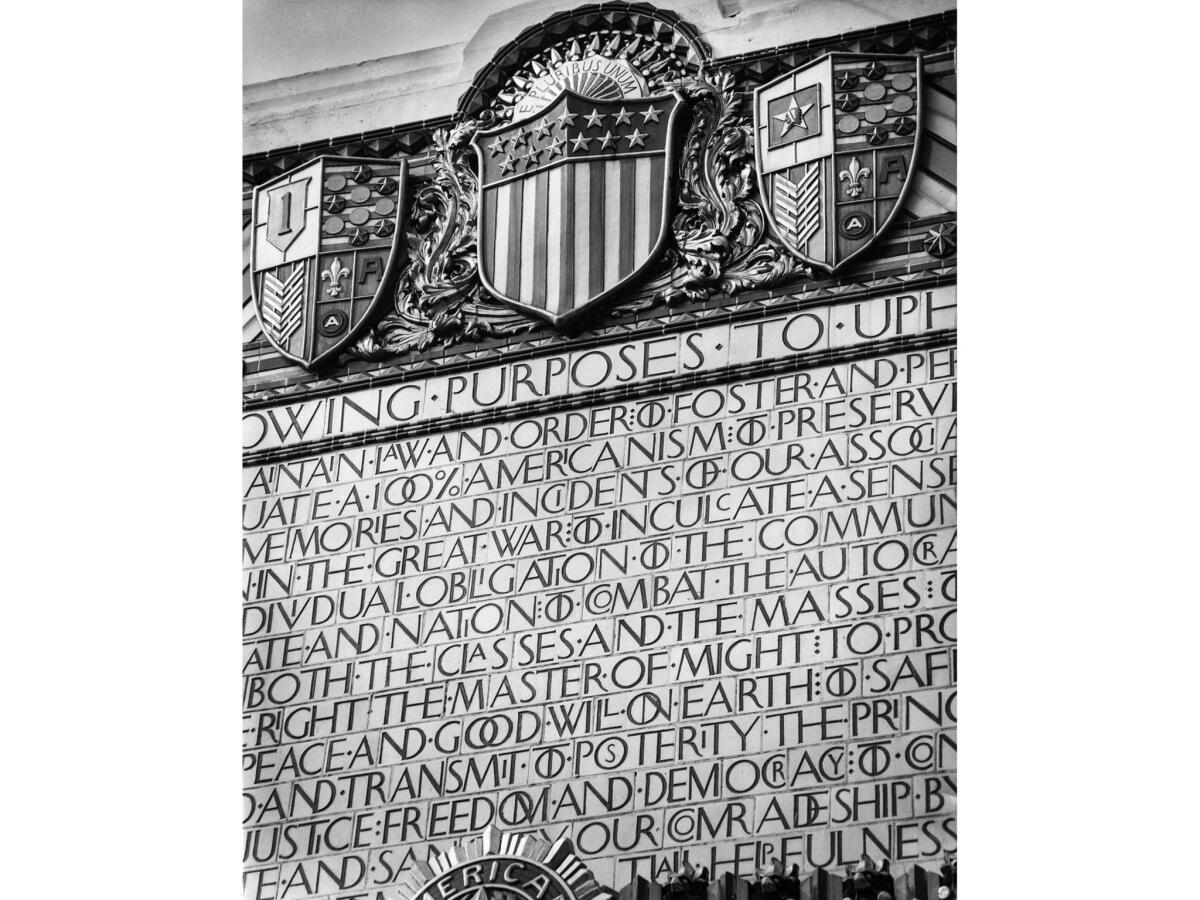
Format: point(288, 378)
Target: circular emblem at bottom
point(500, 866)
point(333, 323)
point(854, 225)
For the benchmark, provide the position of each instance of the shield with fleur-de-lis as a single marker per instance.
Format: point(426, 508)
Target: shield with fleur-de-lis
point(574, 201)
point(326, 250)
point(835, 141)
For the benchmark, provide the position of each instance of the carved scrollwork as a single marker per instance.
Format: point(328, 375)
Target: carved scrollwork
point(719, 235)
point(439, 299)
point(720, 240)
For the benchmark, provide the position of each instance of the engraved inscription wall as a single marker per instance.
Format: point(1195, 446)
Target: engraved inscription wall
point(717, 619)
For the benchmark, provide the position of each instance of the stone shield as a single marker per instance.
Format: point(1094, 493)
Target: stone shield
point(835, 141)
point(326, 250)
point(575, 200)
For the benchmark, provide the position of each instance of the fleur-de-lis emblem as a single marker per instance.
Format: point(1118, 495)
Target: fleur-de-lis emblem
point(854, 175)
point(334, 275)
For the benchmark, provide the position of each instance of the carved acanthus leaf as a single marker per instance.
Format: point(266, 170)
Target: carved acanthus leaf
point(719, 236)
point(720, 240)
point(440, 299)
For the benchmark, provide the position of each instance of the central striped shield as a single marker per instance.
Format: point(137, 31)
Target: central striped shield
point(575, 202)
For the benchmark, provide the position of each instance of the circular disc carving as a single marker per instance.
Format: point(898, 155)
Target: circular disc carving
point(848, 124)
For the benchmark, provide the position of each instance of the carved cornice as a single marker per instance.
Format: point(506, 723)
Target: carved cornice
point(717, 309)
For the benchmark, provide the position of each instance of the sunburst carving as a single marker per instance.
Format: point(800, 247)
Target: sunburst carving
point(594, 76)
point(612, 63)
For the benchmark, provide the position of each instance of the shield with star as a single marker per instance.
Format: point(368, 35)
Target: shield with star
point(835, 141)
point(326, 250)
point(574, 201)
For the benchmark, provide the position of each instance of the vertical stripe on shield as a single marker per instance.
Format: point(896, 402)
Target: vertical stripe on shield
point(497, 247)
point(554, 208)
point(595, 248)
point(512, 286)
point(641, 226)
point(628, 223)
point(538, 275)
point(529, 223)
point(566, 276)
point(488, 248)
point(612, 223)
point(583, 229)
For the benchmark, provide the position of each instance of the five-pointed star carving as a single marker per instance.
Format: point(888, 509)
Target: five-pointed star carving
point(531, 158)
point(519, 138)
point(793, 116)
point(567, 118)
point(579, 143)
point(496, 146)
point(636, 139)
point(556, 146)
point(594, 119)
point(621, 117)
point(542, 128)
point(650, 115)
point(607, 140)
point(507, 164)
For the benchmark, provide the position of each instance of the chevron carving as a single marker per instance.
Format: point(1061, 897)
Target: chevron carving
point(797, 207)
point(282, 304)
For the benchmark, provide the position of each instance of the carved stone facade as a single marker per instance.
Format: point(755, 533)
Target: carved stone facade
point(608, 546)
point(721, 244)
